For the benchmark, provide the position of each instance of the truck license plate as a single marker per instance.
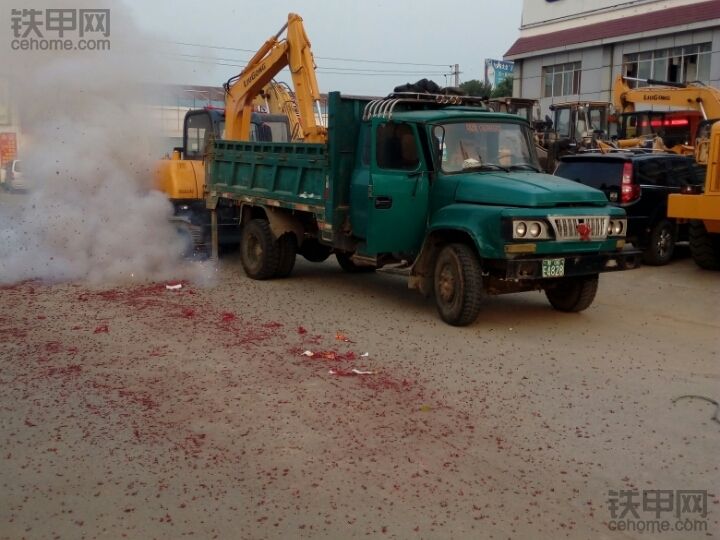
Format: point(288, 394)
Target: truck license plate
point(553, 268)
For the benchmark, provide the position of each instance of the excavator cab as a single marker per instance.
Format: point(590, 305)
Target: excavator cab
point(199, 127)
point(182, 178)
point(205, 124)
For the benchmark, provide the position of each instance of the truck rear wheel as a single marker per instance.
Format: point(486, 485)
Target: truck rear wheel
point(458, 285)
point(347, 264)
point(258, 250)
point(287, 246)
point(572, 294)
point(704, 246)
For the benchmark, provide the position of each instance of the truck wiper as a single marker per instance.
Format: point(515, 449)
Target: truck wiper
point(524, 166)
point(486, 167)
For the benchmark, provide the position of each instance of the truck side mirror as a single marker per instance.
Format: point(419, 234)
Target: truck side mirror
point(438, 142)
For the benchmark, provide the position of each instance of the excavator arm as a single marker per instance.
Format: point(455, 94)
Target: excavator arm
point(294, 52)
point(705, 99)
point(277, 98)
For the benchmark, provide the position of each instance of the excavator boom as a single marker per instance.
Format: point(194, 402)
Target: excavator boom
point(275, 54)
point(705, 99)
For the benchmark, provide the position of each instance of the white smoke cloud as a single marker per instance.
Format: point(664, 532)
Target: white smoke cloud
point(89, 150)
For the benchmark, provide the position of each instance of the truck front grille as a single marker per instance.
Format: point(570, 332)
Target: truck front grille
point(566, 227)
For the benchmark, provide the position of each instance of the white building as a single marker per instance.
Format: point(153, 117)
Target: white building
point(572, 50)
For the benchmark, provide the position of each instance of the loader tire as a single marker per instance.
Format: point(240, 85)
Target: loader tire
point(704, 246)
point(259, 250)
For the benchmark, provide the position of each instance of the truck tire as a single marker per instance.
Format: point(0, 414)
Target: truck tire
point(573, 294)
point(661, 244)
point(314, 251)
point(704, 246)
point(349, 266)
point(287, 246)
point(259, 251)
point(458, 285)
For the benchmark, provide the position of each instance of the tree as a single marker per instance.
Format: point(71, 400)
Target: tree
point(476, 88)
point(504, 89)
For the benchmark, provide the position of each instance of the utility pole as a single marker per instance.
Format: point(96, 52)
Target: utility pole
point(456, 72)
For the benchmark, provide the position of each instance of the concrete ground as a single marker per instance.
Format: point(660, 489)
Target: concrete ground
point(143, 412)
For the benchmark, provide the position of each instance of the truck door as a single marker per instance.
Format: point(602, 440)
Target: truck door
point(398, 191)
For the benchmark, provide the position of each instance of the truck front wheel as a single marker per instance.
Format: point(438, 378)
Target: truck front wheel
point(458, 285)
point(572, 294)
point(258, 250)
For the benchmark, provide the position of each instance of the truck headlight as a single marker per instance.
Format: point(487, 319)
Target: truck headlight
point(617, 227)
point(530, 229)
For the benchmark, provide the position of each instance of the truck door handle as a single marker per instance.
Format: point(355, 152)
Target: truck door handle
point(383, 203)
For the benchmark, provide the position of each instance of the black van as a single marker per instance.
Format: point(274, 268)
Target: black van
point(640, 183)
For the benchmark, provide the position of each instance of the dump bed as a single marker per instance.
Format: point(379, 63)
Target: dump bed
point(305, 177)
point(286, 173)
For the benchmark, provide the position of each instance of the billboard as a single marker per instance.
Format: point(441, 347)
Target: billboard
point(496, 71)
point(8, 147)
point(4, 102)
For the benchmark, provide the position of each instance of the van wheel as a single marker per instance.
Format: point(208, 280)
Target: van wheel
point(704, 247)
point(661, 244)
point(258, 250)
point(458, 285)
point(572, 294)
point(287, 246)
point(347, 264)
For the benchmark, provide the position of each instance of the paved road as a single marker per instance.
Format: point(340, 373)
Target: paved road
point(159, 413)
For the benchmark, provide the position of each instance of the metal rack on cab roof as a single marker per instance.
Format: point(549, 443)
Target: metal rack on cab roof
point(384, 107)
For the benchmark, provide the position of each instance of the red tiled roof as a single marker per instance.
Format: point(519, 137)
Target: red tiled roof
point(676, 16)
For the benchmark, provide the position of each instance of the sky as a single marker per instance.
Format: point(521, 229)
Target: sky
point(400, 40)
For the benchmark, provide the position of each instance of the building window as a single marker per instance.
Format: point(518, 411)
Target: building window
point(561, 79)
point(676, 64)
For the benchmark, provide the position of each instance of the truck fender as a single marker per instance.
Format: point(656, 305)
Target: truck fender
point(423, 268)
point(282, 221)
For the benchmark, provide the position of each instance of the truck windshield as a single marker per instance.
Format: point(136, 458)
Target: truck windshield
point(484, 146)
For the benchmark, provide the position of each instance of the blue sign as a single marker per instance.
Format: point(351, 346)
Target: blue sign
point(496, 71)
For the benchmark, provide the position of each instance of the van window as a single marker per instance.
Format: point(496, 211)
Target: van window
point(684, 172)
point(652, 173)
point(597, 174)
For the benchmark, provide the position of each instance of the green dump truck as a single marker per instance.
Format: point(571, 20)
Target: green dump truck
point(436, 184)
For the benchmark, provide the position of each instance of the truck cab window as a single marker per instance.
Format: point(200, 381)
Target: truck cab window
point(396, 147)
point(365, 145)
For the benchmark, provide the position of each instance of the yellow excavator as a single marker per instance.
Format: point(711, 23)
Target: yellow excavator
point(693, 96)
point(182, 176)
point(276, 54)
point(703, 210)
point(278, 98)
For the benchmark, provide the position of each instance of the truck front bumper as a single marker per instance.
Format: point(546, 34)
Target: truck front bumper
point(574, 265)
